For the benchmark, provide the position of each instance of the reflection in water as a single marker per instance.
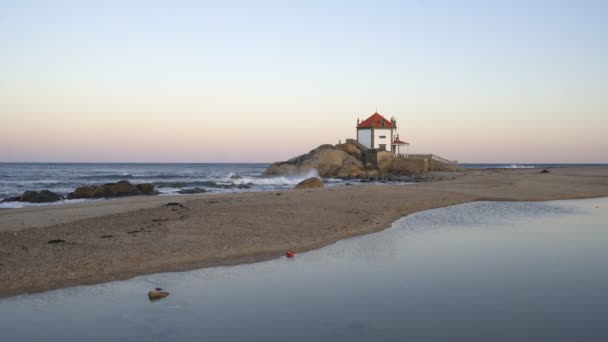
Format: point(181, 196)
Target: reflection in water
point(483, 271)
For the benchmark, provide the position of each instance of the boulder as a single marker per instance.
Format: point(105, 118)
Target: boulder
point(43, 196)
point(119, 189)
point(147, 189)
point(326, 160)
point(309, 183)
point(82, 192)
point(11, 199)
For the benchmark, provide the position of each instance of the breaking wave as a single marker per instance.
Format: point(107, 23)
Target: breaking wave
point(519, 166)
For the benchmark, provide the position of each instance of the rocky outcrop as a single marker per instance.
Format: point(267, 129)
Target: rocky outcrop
point(326, 160)
point(119, 189)
point(43, 196)
point(353, 160)
point(309, 183)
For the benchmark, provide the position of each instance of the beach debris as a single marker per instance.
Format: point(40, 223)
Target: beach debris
point(54, 241)
point(290, 253)
point(176, 204)
point(545, 171)
point(107, 236)
point(157, 294)
point(160, 220)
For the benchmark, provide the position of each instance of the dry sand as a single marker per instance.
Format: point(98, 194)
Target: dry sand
point(118, 239)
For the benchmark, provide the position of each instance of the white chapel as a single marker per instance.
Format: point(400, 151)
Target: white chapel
point(376, 132)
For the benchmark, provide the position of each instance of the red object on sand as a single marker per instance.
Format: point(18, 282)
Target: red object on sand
point(290, 254)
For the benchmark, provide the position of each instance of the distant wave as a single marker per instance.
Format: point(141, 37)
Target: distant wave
point(108, 176)
point(200, 184)
point(499, 166)
point(515, 166)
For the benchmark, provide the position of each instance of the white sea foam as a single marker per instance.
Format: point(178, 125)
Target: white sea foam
point(271, 180)
point(16, 205)
point(516, 166)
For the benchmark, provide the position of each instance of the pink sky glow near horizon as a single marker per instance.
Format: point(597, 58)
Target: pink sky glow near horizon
point(477, 82)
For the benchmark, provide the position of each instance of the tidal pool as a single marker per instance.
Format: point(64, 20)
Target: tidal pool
point(485, 271)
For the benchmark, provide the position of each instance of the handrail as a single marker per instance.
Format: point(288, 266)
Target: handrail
point(428, 156)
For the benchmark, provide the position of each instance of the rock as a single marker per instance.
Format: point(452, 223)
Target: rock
point(309, 183)
point(11, 199)
point(119, 189)
point(192, 191)
point(43, 196)
point(82, 192)
point(545, 171)
point(157, 294)
point(352, 150)
point(147, 189)
point(326, 160)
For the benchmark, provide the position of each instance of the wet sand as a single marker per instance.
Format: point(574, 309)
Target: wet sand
point(118, 239)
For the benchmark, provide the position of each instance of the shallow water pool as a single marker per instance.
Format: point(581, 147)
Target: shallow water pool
point(486, 271)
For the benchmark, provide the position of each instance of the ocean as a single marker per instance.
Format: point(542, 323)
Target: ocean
point(63, 178)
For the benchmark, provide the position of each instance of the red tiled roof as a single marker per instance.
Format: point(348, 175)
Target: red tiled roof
point(397, 141)
point(375, 121)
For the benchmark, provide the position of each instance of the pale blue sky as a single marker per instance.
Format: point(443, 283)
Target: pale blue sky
point(477, 81)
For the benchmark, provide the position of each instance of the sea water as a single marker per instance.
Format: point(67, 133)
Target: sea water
point(485, 271)
point(63, 178)
point(169, 179)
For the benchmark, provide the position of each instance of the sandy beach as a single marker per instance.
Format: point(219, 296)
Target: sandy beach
point(118, 239)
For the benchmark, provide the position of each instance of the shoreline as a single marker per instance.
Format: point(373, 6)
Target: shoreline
point(121, 238)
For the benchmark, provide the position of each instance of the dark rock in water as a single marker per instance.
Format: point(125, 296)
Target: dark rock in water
point(545, 171)
point(119, 189)
point(313, 182)
point(82, 192)
point(192, 191)
point(11, 199)
point(147, 189)
point(43, 196)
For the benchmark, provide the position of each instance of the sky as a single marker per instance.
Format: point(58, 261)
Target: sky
point(261, 81)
